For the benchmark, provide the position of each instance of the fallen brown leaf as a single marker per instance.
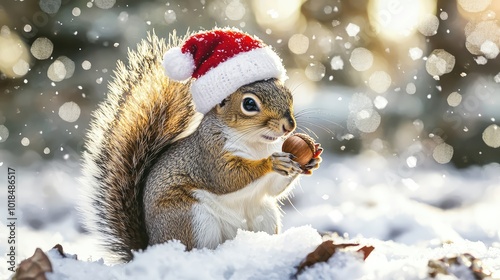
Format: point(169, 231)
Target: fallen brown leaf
point(444, 265)
point(34, 267)
point(326, 250)
point(366, 250)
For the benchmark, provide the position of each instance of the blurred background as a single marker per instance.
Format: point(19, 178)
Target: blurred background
point(403, 95)
point(418, 80)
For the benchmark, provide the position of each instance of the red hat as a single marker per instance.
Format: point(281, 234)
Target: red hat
point(221, 61)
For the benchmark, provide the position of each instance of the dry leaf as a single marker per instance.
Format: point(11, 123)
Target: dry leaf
point(326, 250)
point(444, 265)
point(34, 267)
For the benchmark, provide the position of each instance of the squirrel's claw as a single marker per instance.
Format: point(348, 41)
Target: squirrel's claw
point(283, 164)
point(313, 164)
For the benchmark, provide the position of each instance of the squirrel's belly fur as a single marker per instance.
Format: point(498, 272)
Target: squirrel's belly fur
point(217, 218)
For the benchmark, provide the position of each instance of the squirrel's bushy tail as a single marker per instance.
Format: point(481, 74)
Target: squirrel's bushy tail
point(143, 113)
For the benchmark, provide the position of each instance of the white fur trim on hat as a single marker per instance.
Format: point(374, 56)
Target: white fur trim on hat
point(241, 69)
point(178, 65)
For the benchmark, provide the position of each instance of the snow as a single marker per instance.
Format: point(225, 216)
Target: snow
point(415, 53)
point(352, 29)
point(489, 49)
point(298, 44)
point(4, 133)
point(379, 81)
point(380, 102)
point(50, 6)
point(315, 71)
point(105, 4)
point(86, 65)
point(411, 88)
point(454, 99)
point(474, 6)
point(69, 111)
point(368, 199)
point(170, 16)
point(481, 60)
point(42, 48)
point(443, 15)
point(361, 59)
point(440, 62)
point(21, 67)
point(491, 136)
point(76, 11)
point(235, 10)
point(481, 37)
point(337, 63)
point(25, 141)
point(428, 25)
point(56, 71)
point(442, 153)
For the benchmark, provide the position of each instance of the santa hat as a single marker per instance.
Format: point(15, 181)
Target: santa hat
point(220, 61)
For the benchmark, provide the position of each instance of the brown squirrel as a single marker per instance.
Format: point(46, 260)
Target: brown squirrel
point(155, 169)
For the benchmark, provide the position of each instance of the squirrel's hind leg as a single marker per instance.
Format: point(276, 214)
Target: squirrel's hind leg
point(169, 217)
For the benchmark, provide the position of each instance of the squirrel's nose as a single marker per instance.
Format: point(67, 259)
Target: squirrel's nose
point(287, 125)
point(286, 130)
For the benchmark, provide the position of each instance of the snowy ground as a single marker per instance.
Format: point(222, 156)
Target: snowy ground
point(368, 199)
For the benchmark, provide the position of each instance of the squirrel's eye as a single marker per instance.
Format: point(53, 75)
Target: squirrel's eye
point(250, 105)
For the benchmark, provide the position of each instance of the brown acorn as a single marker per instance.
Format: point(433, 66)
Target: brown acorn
point(301, 146)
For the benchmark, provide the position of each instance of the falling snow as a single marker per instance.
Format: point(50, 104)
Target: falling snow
point(50, 6)
point(489, 49)
point(42, 48)
point(298, 44)
point(415, 53)
point(235, 10)
point(380, 102)
point(56, 71)
point(69, 111)
point(440, 62)
point(105, 4)
point(76, 12)
point(4, 133)
point(25, 141)
point(491, 136)
point(454, 99)
point(411, 88)
point(337, 63)
point(497, 78)
point(170, 16)
point(352, 29)
point(481, 60)
point(21, 67)
point(442, 153)
point(474, 6)
point(86, 65)
point(428, 25)
point(315, 71)
point(379, 81)
point(361, 59)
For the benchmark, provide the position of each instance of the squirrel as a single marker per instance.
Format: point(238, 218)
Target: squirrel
point(187, 144)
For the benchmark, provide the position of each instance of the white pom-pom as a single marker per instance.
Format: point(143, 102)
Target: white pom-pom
point(178, 65)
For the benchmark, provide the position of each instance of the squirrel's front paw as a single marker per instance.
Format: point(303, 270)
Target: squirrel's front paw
point(313, 164)
point(283, 164)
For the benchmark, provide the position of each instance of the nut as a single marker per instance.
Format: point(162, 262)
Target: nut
point(301, 146)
